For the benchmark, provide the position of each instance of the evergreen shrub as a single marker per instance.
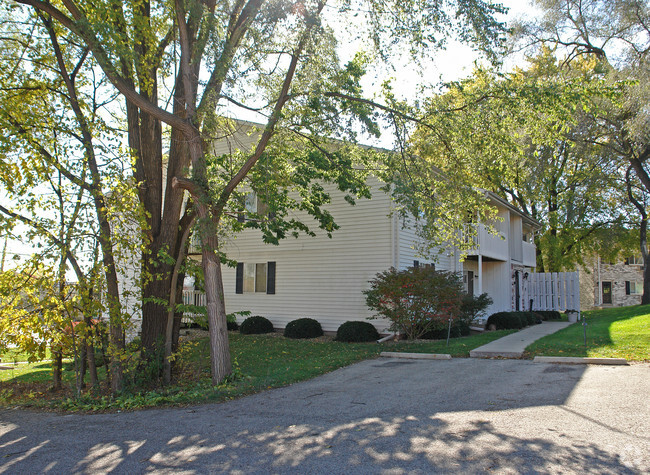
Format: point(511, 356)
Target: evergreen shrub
point(549, 314)
point(255, 325)
point(505, 320)
point(355, 331)
point(303, 328)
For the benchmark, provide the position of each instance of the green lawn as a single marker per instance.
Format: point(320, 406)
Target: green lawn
point(611, 333)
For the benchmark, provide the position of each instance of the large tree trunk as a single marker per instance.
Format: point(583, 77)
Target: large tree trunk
point(164, 227)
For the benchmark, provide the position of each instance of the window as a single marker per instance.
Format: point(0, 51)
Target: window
point(255, 278)
point(634, 261)
point(633, 288)
point(253, 204)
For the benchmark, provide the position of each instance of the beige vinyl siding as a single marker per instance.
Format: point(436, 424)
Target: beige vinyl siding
point(496, 282)
point(407, 245)
point(318, 277)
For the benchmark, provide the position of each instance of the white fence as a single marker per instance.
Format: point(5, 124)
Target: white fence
point(552, 291)
point(192, 297)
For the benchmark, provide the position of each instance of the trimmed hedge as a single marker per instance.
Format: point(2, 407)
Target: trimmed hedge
point(549, 314)
point(504, 320)
point(232, 326)
point(458, 329)
point(531, 318)
point(510, 320)
point(355, 331)
point(303, 328)
point(255, 325)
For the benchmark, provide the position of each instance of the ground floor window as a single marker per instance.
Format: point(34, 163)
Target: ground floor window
point(255, 277)
point(633, 288)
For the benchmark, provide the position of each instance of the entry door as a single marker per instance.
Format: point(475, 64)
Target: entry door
point(607, 292)
point(469, 284)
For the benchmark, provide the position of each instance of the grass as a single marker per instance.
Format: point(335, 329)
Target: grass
point(13, 355)
point(622, 332)
point(260, 362)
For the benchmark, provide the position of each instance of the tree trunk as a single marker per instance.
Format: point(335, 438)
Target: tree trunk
point(155, 291)
point(57, 368)
point(643, 234)
point(219, 345)
point(83, 365)
point(92, 364)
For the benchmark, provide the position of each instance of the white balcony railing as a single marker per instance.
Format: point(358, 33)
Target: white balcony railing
point(489, 245)
point(529, 254)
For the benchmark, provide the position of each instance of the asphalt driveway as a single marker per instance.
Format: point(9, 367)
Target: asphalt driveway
point(378, 416)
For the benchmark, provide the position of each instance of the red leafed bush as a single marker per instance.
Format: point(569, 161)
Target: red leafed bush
point(417, 300)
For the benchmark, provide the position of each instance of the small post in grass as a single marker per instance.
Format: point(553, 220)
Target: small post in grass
point(449, 331)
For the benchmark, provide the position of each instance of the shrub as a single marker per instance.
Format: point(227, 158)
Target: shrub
point(531, 318)
point(441, 333)
point(505, 320)
point(255, 325)
point(356, 331)
point(416, 300)
point(474, 307)
point(549, 314)
point(303, 328)
point(232, 326)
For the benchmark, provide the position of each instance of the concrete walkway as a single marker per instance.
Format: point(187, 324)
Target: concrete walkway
point(513, 346)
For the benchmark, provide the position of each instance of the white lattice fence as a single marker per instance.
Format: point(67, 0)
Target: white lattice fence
point(553, 291)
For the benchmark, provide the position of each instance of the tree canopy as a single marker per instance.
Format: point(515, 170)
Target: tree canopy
point(182, 66)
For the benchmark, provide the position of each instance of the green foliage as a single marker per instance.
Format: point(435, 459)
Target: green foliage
point(505, 320)
point(526, 136)
point(242, 52)
point(473, 308)
point(355, 331)
point(416, 300)
point(303, 328)
point(34, 313)
point(549, 314)
point(255, 325)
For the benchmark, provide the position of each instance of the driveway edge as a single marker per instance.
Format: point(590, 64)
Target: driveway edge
point(578, 360)
point(414, 356)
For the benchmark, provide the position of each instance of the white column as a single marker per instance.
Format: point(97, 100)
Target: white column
point(480, 274)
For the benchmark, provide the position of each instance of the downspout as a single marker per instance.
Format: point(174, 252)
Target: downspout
point(387, 337)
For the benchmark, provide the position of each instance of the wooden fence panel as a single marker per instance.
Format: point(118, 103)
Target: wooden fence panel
point(553, 291)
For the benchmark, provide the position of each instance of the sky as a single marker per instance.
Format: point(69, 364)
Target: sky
point(456, 62)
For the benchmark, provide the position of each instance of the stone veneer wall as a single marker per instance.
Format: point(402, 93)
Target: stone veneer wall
point(617, 274)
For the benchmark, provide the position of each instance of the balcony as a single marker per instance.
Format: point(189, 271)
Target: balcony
point(493, 246)
point(530, 254)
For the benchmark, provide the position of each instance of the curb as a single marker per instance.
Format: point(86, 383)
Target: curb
point(578, 360)
point(414, 356)
point(496, 354)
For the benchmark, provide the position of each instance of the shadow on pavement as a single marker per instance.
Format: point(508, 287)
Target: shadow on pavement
point(377, 416)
